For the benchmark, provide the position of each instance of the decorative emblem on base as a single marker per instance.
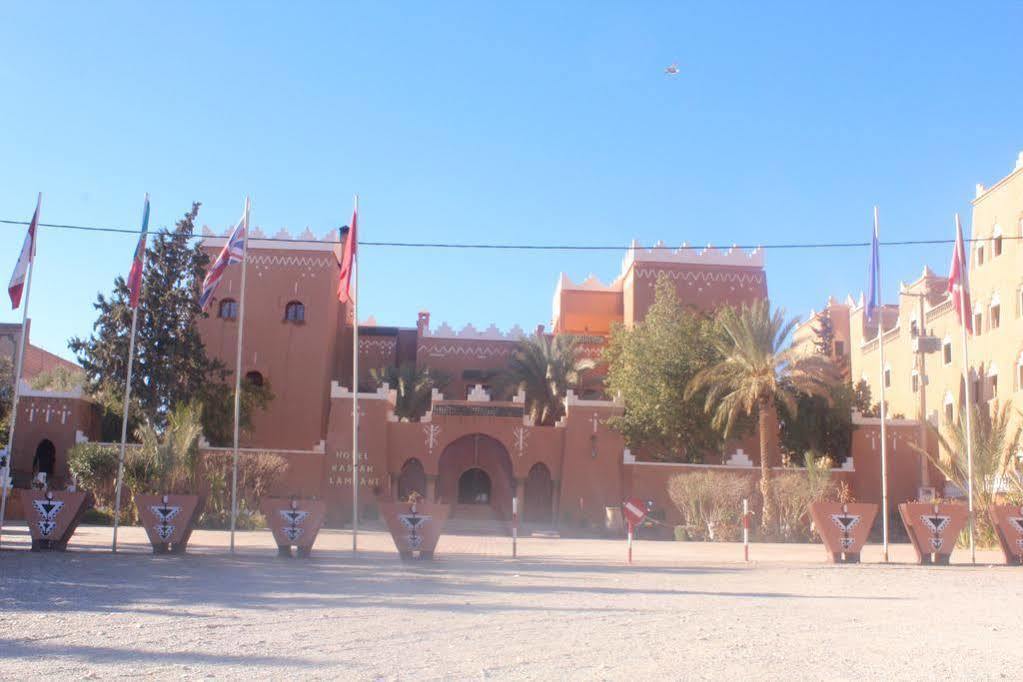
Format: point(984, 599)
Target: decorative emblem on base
point(843, 528)
point(294, 522)
point(933, 528)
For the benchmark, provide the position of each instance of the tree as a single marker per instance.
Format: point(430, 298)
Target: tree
point(545, 368)
point(820, 424)
point(59, 378)
point(6, 397)
point(824, 334)
point(171, 365)
point(861, 400)
point(413, 386)
point(995, 443)
point(650, 366)
point(756, 375)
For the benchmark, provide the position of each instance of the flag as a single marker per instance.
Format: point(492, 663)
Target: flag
point(135, 274)
point(344, 284)
point(28, 252)
point(233, 252)
point(959, 281)
point(873, 303)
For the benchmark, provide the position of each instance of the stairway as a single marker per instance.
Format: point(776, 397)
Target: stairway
point(476, 519)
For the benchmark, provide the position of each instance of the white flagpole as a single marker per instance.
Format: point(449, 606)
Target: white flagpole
point(124, 415)
point(6, 472)
point(238, 376)
point(884, 409)
point(963, 312)
point(355, 388)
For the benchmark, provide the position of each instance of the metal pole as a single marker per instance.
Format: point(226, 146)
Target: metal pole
point(963, 312)
point(18, 365)
point(630, 542)
point(515, 527)
point(238, 374)
point(355, 390)
point(745, 529)
point(884, 409)
point(124, 429)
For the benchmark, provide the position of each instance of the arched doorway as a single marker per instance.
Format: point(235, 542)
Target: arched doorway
point(474, 487)
point(474, 473)
point(539, 495)
point(45, 460)
point(412, 479)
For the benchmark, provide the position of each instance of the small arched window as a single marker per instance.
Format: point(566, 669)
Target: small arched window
point(228, 309)
point(254, 378)
point(294, 312)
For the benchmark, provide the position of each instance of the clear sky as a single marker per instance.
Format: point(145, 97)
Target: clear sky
point(503, 121)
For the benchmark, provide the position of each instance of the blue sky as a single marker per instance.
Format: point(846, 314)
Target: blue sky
point(511, 122)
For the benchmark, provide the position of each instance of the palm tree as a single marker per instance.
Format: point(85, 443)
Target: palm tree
point(168, 460)
point(414, 386)
point(545, 368)
point(995, 443)
point(755, 376)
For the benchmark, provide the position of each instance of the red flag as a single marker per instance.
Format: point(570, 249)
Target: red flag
point(28, 252)
point(959, 281)
point(344, 284)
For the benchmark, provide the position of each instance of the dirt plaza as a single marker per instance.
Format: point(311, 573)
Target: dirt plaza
point(565, 607)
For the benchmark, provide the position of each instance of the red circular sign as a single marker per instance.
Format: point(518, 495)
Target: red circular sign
point(634, 510)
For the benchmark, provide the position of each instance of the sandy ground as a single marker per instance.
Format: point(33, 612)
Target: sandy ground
point(568, 609)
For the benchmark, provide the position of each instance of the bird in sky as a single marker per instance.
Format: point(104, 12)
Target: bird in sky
point(672, 70)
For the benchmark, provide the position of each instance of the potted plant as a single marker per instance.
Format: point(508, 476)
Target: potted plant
point(994, 442)
point(53, 515)
point(162, 474)
point(415, 525)
point(294, 521)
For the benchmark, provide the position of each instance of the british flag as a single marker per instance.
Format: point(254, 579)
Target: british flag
point(233, 252)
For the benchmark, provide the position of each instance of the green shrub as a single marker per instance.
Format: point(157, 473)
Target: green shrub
point(258, 473)
point(710, 503)
point(94, 467)
point(795, 491)
point(98, 516)
point(681, 534)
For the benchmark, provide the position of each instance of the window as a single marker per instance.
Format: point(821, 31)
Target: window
point(978, 323)
point(996, 243)
point(1019, 302)
point(228, 309)
point(914, 329)
point(994, 386)
point(254, 378)
point(294, 312)
point(887, 377)
point(1019, 374)
point(980, 256)
point(977, 386)
point(915, 381)
point(840, 349)
point(996, 316)
point(946, 352)
point(950, 411)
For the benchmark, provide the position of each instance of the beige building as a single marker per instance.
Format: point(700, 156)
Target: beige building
point(995, 349)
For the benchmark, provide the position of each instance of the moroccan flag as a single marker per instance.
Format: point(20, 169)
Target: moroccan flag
point(28, 252)
point(135, 275)
point(959, 281)
point(344, 284)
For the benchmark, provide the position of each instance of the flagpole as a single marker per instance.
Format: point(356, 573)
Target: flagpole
point(238, 376)
point(355, 390)
point(884, 409)
point(963, 312)
point(127, 398)
point(6, 472)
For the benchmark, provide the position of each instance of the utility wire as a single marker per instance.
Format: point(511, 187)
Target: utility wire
point(519, 247)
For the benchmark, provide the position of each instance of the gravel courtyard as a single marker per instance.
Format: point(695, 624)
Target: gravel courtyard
point(568, 609)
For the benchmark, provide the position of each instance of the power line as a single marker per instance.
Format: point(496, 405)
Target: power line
point(519, 247)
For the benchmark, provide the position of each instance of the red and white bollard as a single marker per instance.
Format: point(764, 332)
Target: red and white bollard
point(515, 527)
point(745, 529)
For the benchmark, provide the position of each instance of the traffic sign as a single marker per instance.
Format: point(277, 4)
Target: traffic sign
point(634, 510)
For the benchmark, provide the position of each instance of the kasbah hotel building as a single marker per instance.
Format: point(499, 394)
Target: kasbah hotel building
point(477, 452)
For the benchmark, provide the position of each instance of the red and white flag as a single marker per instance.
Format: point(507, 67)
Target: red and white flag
point(28, 252)
point(959, 281)
point(344, 284)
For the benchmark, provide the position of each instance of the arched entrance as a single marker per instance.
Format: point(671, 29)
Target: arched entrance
point(474, 473)
point(474, 487)
point(45, 460)
point(412, 479)
point(539, 495)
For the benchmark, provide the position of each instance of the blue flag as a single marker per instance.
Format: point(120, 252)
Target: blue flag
point(873, 302)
